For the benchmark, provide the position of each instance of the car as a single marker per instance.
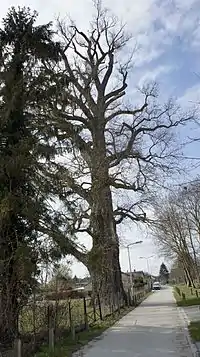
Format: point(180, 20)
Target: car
point(156, 285)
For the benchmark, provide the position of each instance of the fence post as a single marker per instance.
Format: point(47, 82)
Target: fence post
point(72, 328)
point(94, 309)
point(128, 298)
point(17, 342)
point(85, 314)
point(17, 347)
point(118, 302)
point(110, 308)
point(51, 338)
point(99, 303)
point(34, 316)
point(51, 329)
point(135, 300)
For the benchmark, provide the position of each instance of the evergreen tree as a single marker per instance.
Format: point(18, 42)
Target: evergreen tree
point(23, 47)
point(164, 273)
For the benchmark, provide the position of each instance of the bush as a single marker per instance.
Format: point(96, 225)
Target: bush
point(139, 282)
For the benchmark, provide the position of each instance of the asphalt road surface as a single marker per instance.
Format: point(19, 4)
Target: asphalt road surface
point(154, 329)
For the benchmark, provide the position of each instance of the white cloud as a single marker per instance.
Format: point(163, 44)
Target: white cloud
point(196, 38)
point(191, 96)
point(140, 17)
point(185, 4)
point(154, 74)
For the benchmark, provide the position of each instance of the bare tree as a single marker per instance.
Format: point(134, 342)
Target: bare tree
point(177, 274)
point(177, 229)
point(117, 147)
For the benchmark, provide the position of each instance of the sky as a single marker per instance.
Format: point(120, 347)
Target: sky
point(167, 36)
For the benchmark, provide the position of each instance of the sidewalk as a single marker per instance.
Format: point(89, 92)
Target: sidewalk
point(154, 329)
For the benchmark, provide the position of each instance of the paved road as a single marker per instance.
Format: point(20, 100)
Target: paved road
point(154, 329)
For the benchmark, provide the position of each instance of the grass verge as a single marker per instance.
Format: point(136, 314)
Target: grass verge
point(186, 296)
point(194, 329)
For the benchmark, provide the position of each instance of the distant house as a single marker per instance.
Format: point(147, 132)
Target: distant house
point(139, 278)
point(81, 281)
point(84, 285)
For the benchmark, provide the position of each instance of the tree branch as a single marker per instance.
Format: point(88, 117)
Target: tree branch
point(124, 213)
point(66, 178)
point(120, 184)
point(71, 131)
point(116, 158)
point(66, 245)
point(126, 112)
point(116, 94)
point(72, 78)
point(108, 72)
point(73, 250)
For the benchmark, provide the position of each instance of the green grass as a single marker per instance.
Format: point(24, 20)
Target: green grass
point(194, 329)
point(66, 346)
point(187, 296)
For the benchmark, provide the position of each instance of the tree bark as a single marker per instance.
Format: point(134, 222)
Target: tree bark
point(188, 274)
point(104, 268)
point(9, 312)
point(103, 259)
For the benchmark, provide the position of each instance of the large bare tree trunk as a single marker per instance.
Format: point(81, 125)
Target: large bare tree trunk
point(104, 257)
point(105, 272)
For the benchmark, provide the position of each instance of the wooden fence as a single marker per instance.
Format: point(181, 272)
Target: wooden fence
point(45, 322)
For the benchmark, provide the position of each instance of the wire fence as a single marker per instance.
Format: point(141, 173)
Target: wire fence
point(46, 322)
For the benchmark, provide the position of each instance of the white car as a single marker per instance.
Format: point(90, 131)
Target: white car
point(156, 285)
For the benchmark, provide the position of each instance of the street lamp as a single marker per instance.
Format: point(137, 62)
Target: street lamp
point(147, 259)
point(129, 259)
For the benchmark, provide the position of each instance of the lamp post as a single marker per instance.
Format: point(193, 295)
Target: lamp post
point(129, 259)
point(148, 270)
point(147, 259)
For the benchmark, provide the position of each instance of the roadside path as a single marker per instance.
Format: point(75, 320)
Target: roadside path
point(154, 329)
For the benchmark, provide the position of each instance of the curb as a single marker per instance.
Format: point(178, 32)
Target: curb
point(193, 346)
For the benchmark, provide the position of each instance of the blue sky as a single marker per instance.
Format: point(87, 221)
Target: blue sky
point(167, 34)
